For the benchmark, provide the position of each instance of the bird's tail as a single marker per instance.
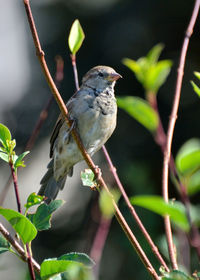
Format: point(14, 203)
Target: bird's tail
point(49, 186)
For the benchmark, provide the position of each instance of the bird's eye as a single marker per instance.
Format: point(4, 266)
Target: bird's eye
point(100, 74)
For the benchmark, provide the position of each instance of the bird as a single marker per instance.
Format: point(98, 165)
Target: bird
point(93, 111)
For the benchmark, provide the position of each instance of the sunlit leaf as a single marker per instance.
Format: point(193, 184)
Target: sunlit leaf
point(4, 135)
point(197, 74)
point(25, 229)
point(76, 37)
point(188, 157)
point(33, 199)
point(157, 75)
point(87, 178)
point(140, 110)
point(154, 53)
point(19, 161)
point(176, 275)
point(195, 88)
point(175, 210)
point(78, 257)
point(106, 202)
point(4, 156)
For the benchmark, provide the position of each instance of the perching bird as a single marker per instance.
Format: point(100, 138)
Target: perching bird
point(93, 109)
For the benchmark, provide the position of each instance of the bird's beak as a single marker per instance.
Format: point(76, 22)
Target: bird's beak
point(113, 77)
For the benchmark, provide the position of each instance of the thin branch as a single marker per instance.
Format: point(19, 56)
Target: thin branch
point(73, 59)
point(173, 117)
point(18, 247)
point(86, 156)
point(15, 183)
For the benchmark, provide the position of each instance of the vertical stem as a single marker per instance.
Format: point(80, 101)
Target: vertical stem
point(173, 117)
point(73, 58)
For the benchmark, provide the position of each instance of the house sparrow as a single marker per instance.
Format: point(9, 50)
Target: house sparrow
point(93, 109)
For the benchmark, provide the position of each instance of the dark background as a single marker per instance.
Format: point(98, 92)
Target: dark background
point(114, 29)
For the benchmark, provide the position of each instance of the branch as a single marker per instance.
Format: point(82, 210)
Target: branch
point(173, 117)
point(86, 156)
point(18, 247)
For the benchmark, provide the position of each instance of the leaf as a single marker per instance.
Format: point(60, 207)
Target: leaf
point(4, 135)
point(193, 184)
point(140, 110)
point(51, 267)
point(157, 75)
point(87, 178)
point(188, 157)
point(76, 37)
point(131, 64)
point(41, 219)
point(82, 258)
point(197, 74)
point(19, 161)
point(4, 156)
point(175, 210)
point(25, 229)
point(4, 245)
point(154, 53)
point(33, 199)
point(176, 275)
point(195, 88)
point(106, 203)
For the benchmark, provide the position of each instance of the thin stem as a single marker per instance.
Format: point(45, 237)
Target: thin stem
point(18, 247)
point(153, 247)
point(73, 58)
point(14, 177)
point(173, 117)
point(76, 137)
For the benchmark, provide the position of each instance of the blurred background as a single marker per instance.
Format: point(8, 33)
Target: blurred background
point(114, 29)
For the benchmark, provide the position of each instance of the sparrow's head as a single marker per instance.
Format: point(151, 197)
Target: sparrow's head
point(100, 78)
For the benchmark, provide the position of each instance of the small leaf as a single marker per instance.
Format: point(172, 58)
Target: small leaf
point(188, 157)
point(4, 156)
point(195, 88)
point(197, 74)
point(4, 135)
point(19, 161)
point(20, 223)
point(193, 183)
point(175, 210)
point(157, 75)
point(76, 37)
point(51, 267)
point(4, 245)
point(131, 64)
point(154, 53)
point(140, 110)
point(106, 203)
point(87, 178)
point(82, 258)
point(176, 275)
point(41, 219)
point(33, 199)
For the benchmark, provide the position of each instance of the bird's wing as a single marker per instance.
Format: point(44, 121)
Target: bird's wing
point(55, 132)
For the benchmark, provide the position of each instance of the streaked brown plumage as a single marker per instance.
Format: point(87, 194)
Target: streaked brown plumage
point(93, 109)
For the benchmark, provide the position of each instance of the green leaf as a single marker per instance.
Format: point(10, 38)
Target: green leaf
point(106, 204)
point(4, 245)
point(78, 257)
point(140, 110)
point(4, 135)
point(51, 267)
point(19, 161)
point(33, 199)
point(88, 178)
point(25, 229)
point(154, 53)
point(176, 275)
point(188, 157)
point(197, 74)
point(195, 88)
point(157, 75)
point(193, 183)
point(132, 65)
point(76, 37)
point(41, 219)
point(4, 156)
point(175, 210)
